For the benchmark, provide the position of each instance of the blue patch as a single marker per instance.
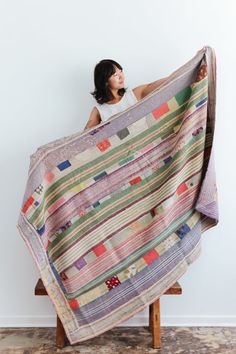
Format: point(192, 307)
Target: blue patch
point(168, 159)
point(65, 164)
point(41, 231)
point(201, 102)
point(183, 230)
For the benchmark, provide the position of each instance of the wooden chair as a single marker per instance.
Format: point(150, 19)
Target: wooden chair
point(154, 316)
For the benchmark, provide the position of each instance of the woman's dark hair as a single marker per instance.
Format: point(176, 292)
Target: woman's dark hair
point(102, 71)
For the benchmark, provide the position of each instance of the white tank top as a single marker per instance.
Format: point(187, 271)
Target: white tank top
point(107, 110)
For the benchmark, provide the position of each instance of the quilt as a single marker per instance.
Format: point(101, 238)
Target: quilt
point(113, 215)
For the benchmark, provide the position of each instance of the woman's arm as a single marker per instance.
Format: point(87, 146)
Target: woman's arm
point(144, 90)
point(94, 118)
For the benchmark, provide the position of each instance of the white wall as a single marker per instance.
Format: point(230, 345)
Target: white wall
point(48, 53)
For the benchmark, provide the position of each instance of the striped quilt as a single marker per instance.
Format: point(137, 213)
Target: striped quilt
point(113, 215)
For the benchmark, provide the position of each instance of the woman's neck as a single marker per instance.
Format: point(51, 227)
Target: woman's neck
point(116, 98)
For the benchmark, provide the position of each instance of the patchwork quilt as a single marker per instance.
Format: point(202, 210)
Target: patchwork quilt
point(113, 215)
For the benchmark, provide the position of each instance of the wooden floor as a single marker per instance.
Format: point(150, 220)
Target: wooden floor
point(123, 340)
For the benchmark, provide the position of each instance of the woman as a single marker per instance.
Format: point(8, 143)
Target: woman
point(111, 95)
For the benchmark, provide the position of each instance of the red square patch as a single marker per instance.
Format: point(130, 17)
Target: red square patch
point(159, 111)
point(182, 188)
point(74, 304)
point(112, 282)
point(150, 256)
point(104, 144)
point(99, 249)
point(27, 204)
point(136, 180)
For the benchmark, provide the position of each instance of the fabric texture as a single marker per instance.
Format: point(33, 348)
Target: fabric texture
point(108, 110)
point(113, 215)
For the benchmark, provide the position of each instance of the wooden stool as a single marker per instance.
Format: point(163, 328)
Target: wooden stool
point(60, 332)
point(154, 316)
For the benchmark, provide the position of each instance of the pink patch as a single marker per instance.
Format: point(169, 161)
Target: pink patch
point(49, 176)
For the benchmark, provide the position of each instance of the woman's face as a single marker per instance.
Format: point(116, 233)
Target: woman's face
point(116, 81)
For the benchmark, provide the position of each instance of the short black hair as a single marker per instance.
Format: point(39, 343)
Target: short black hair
point(102, 71)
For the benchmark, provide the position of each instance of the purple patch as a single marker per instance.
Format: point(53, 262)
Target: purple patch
point(80, 263)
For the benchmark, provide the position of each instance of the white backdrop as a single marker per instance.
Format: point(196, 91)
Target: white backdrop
point(48, 50)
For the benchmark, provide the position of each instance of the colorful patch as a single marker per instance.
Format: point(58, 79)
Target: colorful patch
point(151, 256)
point(63, 165)
point(135, 180)
point(183, 95)
point(99, 249)
point(123, 133)
point(167, 159)
point(112, 282)
point(74, 304)
point(49, 176)
point(161, 110)
point(27, 204)
point(104, 145)
point(41, 230)
point(182, 188)
point(101, 175)
point(183, 230)
point(80, 263)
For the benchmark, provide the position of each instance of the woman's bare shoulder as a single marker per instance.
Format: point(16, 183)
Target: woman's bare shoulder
point(95, 109)
point(94, 118)
point(95, 112)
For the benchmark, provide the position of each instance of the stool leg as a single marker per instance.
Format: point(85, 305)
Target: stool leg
point(150, 317)
point(156, 324)
point(60, 334)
